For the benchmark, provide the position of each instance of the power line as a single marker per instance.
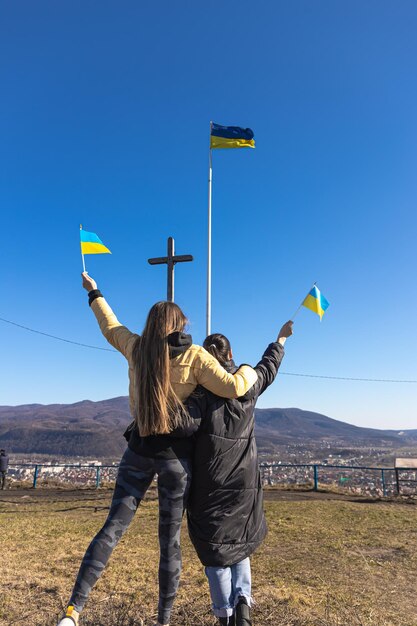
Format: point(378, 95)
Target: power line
point(370, 380)
point(85, 345)
point(38, 332)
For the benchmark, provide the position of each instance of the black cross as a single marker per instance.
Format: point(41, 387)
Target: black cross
point(170, 261)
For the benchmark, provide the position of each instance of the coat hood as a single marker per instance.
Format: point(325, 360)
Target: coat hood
point(178, 343)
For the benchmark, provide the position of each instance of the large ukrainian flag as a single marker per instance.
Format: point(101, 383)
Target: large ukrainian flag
point(231, 137)
point(316, 302)
point(91, 244)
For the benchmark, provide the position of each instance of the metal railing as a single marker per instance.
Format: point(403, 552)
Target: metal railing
point(390, 479)
point(35, 469)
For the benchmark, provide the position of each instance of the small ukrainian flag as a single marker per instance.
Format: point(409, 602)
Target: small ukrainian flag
point(231, 137)
point(316, 302)
point(92, 244)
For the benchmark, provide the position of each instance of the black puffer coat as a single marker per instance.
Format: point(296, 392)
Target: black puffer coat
point(226, 521)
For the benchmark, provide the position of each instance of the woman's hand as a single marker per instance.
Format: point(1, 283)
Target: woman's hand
point(88, 283)
point(285, 332)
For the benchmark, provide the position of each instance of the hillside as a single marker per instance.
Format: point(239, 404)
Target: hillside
point(95, 429)
point(295, 424)
point(82, 429)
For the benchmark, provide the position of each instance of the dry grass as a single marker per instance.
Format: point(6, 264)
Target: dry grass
point(324, 563)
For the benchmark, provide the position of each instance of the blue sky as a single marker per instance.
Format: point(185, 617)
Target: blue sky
point(104, 120)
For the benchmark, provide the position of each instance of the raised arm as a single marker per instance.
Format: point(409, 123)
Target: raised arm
point(211, 375)
point(268, 366)
point(116, 334)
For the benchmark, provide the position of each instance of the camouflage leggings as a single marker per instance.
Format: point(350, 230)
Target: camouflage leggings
point(135, 474)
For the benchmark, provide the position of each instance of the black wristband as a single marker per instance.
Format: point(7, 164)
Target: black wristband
point(93, 294)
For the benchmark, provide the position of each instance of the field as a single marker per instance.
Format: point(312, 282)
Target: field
point(327, 561)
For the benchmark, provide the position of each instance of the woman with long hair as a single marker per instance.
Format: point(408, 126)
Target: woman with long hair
point(226, 521)
point(164, 368)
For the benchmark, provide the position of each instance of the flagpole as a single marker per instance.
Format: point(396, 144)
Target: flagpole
point(210, 182)
point(292, 318)
point(82, 255)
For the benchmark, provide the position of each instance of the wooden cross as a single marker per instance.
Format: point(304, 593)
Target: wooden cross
point(170, 260)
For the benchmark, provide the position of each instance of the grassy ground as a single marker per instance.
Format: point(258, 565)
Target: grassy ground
point(325, 562)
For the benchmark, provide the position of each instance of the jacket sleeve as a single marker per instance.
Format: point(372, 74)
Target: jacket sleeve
point(189, 428)
point(266, 370)
point(196, 405)
point(116, 334)
point(211, 375)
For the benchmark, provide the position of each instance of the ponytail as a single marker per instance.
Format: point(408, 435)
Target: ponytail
point(218, 346)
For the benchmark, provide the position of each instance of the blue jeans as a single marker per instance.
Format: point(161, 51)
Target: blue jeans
point(227, 584)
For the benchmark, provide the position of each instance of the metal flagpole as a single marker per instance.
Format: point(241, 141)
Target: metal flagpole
point(210, 181)
point(82, 255)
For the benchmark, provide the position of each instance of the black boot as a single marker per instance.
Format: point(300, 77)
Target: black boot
point(243, 617)
point(227, 621)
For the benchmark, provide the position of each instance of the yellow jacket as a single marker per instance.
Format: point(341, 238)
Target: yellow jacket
point(194, 367)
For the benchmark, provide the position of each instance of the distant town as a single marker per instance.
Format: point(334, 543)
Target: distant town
point(360, 471)
point(79, 445)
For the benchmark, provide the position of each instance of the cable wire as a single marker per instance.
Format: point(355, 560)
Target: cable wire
point(86, 345)
point(370, 380)
point(39, 332)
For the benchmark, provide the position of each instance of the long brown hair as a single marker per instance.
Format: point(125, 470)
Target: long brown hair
point(158, 408)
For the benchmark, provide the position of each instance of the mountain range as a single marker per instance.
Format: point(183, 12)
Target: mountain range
point(95, 429)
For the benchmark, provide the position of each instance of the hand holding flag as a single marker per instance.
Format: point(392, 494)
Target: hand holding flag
point(285, 332)
point(88, 283)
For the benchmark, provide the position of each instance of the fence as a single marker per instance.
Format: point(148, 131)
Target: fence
point(375, 481)
point(71, 474)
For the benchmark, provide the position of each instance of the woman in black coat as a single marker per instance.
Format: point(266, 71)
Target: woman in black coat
point(226, 520)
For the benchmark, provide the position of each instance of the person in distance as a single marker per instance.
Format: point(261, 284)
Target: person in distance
point(164, 368)
point(226, 520)
point(4, 466)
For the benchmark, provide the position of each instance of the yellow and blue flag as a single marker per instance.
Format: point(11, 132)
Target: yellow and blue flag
point(316, 302)
point(231, 137)
point(91, 244)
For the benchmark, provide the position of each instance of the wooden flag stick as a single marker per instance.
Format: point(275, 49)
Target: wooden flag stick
point(292, 318)
point(82, 255)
